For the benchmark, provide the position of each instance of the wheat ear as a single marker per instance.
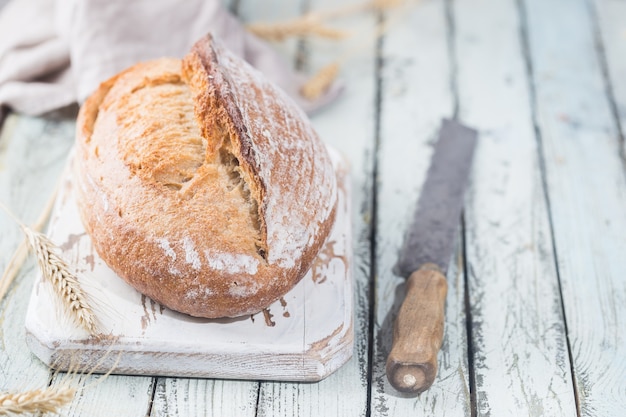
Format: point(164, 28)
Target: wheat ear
point(49, 400)
point(57, 271)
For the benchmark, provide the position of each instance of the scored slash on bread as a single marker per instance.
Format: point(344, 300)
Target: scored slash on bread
point(202, 184)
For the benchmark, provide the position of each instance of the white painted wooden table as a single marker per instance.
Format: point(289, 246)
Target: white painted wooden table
point(534, 323)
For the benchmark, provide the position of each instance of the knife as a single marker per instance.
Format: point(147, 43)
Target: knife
point(424, 259)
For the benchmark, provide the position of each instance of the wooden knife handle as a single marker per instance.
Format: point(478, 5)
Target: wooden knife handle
point(418, 331)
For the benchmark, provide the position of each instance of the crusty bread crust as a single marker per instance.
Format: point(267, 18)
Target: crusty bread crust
point(201, 184)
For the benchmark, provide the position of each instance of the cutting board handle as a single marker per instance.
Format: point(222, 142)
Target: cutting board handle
point(418, 331)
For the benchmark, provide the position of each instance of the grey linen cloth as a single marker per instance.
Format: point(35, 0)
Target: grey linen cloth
point(56, 52)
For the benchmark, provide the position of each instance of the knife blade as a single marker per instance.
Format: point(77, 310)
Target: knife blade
point(424, 258)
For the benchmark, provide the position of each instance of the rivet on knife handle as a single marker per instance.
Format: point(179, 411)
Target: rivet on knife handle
point(418, 331)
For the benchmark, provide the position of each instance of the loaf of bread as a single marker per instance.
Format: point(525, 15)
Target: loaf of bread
point(202, 184)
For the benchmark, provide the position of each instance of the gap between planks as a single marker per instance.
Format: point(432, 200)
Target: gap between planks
point(379, 64)
point(606, 75)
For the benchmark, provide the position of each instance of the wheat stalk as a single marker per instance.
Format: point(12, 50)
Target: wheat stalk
point(13, 267)
point(57, 271)
point(305, 26)
point(49, 400)
point(19, 256)
point(52, 398)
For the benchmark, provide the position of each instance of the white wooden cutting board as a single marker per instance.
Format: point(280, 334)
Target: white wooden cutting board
point(305, 336)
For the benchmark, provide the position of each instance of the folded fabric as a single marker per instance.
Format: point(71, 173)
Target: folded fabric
point(56, 52)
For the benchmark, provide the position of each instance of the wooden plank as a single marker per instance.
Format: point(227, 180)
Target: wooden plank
point(348, 125)
point(32, 154)
point(587, 193)
point(519, 346)
point(204, 397)
point(112, 395)
point(610, 16)
point(184, 397)
point(415, 95)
